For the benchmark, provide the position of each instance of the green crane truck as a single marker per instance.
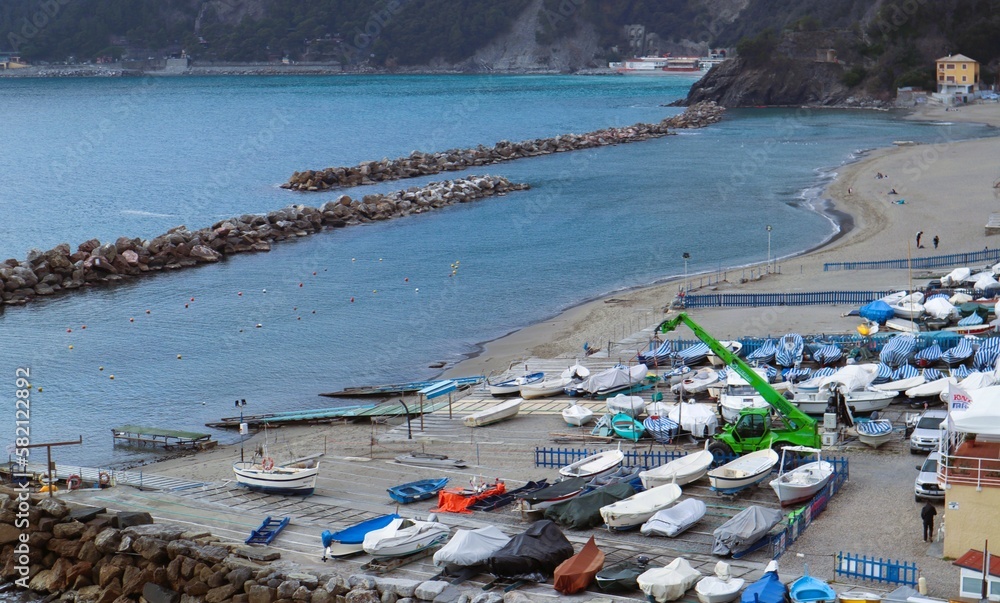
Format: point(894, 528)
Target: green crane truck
point(756, 428)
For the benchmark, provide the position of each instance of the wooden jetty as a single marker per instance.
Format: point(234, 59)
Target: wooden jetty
point(169, 439)
point(411, 387)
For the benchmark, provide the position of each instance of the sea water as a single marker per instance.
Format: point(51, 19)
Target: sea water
point(376, 303)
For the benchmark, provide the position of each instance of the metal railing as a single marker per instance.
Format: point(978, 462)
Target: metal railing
point(964, 470)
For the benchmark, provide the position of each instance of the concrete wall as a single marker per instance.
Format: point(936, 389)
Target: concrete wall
point(976, 519)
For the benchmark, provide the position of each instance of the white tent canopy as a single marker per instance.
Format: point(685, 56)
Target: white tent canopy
point(983, 416)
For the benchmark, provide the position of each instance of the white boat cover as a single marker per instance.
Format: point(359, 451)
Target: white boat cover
point(956, 276)
point(960, 298)
point(659, 409)
point(630, 405)
point(576, 372)
point(893, 298)
point(668, 583)
point(914, 298)
point(399, 534)
point(671, 522)
point(939, 307)
point(902, 384)
point(720, 587)
point(976, 380)
point(983, 416)
point(694, 418)
point(934, 388)
point(852, 377)
point(471, 547)
point(744, 529)
point(613, 378)
point(984, 281)
point(642, 505)
point(995, 269)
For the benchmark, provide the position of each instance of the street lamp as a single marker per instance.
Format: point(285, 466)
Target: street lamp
point(243, 427)
point(768, 247)
point(686, 256)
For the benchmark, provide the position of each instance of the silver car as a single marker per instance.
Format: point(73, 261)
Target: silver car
point(927, 434)
point(926, 485)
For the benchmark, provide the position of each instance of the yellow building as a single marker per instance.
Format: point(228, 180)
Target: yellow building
point(957, 74)
point(969, 473)
point(11, 62)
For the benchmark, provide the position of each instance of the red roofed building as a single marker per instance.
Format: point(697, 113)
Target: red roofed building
point(971, 581)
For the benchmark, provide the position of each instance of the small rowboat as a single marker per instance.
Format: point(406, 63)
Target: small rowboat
point(594, 465)
point(427, 459)
point(690, 467)
point(875, 433)
point(856, 596)
point(720, 588)
point(576, 415)
point(418, 490)
point(558, 492)
point(811, 590)
point(576, 573)
point(743, 472)
point(494, 414)
point(513, 386)
point(627, 427)
point(349, 540)
point(542, 389)
point(671, 522)
point(803, 482)
point(636, 509)
point(769, 589)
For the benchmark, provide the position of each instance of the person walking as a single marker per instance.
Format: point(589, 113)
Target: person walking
point(936, 241)
point(920, 234)
point(927, 514)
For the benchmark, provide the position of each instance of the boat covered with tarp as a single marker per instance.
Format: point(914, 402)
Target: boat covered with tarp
point(576, 573)
point(471, 547)
point(744, 529)
point(584, 511)
point(533, 554)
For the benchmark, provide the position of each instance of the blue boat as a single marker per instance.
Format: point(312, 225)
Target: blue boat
point(349, 540)
point(769, 589)
point(811, 590)
point(418, 490)
point(627, 427)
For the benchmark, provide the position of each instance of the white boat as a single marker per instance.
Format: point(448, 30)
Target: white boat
point(696, 382)
point(633, 406)
point(720, 588)
point(743, 472)
point(662, 584)
point(909, 306)
point(861, 401)
point(576, 415)
point(901, 384)
point(694, 418)
point(671, 522)
point(577, 371)
point(875, 433)
point(733, 346)
point(633, 511)
point(494, 414)
point(932, 388)
point(405, 537)
point(689, 468)
point(264, 476)
point(594, 465)
point(738, 394)
point(803, 482)
point(543, 389)
point(513, 386)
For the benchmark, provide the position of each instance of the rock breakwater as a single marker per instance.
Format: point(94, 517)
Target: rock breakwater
point(60, 269)
point(422, 164)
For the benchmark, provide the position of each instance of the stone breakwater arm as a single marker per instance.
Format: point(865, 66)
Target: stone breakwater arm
point(58, 269)
point(422, 164)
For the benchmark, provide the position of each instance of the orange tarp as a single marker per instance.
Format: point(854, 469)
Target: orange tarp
point(458, 500)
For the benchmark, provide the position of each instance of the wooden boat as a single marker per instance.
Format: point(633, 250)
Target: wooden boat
point(418, 490)
point(662, 584)
point(743, 472)
point(404, 537)
point(576, 415)
point(674, 520)
point(857, 596)
point(265, 476)
point(513, 386)
point(632, 406)
point(558, 492)
point(494, 414)
point(738, 394)
point(688, 468)
point(427, 459)
point(808, 589)
point(621, 577)
point(594, 465)
point(543, 389)
point(576, 573)
point(874, 433)
point(802, 483)
point(769, 589)
point(349, 540)
point(661, 428)
point(720, 588)
point(636, 509)
point(626, 427)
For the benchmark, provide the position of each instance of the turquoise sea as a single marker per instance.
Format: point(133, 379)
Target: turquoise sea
point(105, 158)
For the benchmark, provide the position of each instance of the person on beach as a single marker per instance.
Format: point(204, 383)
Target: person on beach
point(927, 514)
point(920, 234)
point(936, 241)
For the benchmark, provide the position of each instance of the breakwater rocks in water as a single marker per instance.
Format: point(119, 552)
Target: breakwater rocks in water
point(89, 555)
point(60, 269)
point(422, 164)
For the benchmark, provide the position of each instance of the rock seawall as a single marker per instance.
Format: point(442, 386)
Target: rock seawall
point(423, 164)
point(59, 269)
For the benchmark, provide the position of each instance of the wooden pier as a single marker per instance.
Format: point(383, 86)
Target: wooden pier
point(168, 439)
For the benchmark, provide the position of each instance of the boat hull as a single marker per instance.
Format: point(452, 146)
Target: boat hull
point(350, 540)
point(544, 389)
point(811, 590)
point(595, 465)
point(416, 491)
point(297, 482)
point(495, 414)
point(802, 483)
point(687, 469)
point(577, 416)
point(743, 472)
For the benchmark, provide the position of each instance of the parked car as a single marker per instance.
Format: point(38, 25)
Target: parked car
point(927, 434)
point(926, 487)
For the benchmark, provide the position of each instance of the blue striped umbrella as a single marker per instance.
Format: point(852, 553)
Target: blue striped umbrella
point(961, 372)
point(824, 372)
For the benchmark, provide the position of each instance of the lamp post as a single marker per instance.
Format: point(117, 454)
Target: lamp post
point(243, 428)
point(686, 256)
point(769, 248)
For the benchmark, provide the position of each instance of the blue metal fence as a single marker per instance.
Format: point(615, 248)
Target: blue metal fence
point(938, 261)
point(873, 343)
point(758, 300)
point(862, 567)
